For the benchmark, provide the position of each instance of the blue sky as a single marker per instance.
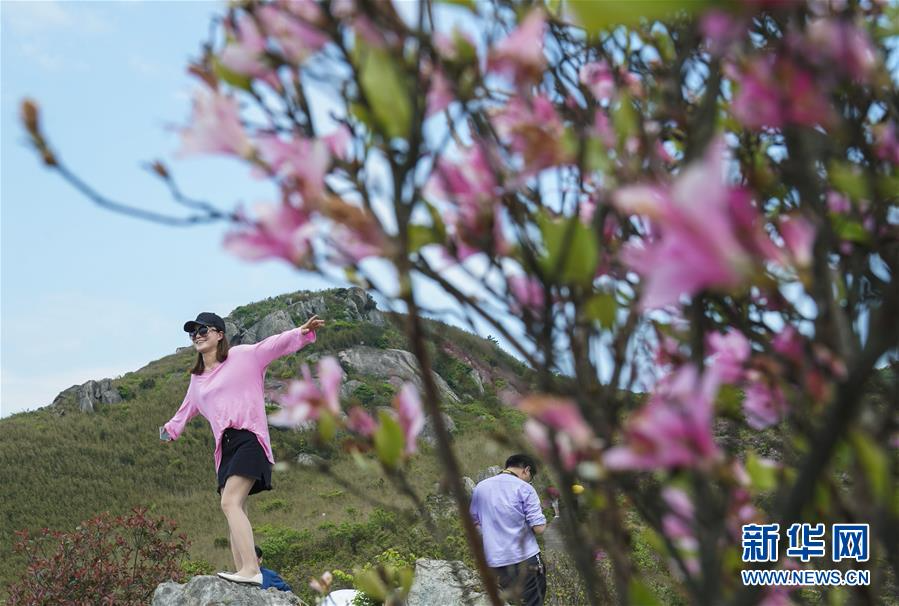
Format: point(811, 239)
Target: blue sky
point(86, 293)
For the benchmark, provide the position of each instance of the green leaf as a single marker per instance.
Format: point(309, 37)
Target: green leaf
point(624, 118)
point(420, 236)
point(327, 426)
point(389, 440)
point(602, 308)
point(370, 583)
point(847, 179)
point(469, 4)
point(385, 88)
point(230, 77)
point(571, 238)
point(762, 475)
point(847, 229)
point(596, 16)
point(874, 464)
point(640, 594)
point(729, 400)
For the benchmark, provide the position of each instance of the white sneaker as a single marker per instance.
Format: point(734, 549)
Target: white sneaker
point(236, 578)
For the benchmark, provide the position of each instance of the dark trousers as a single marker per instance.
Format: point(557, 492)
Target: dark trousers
point(523, 583)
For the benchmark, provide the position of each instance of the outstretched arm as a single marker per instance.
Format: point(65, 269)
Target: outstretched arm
point(286, 342)
point(172, 429)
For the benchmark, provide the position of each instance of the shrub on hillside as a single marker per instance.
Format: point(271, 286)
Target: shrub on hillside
point(105, 560)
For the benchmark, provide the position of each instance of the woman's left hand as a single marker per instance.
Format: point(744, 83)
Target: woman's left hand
point(313, 323)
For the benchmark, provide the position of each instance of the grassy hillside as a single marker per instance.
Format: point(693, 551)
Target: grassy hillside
point(61, 466)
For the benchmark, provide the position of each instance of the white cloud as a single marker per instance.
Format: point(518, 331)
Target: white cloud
point(47, 60)
point(41, 17)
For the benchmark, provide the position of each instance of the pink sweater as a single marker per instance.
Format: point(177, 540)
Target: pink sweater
point(232, 394)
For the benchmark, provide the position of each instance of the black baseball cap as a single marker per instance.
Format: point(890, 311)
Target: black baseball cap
point(206, 318)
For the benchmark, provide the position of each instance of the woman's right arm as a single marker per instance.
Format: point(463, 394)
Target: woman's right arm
point(187, 412)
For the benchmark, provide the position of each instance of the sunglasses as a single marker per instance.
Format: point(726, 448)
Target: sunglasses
point(200, 332)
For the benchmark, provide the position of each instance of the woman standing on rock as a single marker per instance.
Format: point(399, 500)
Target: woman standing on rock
point(226, 387)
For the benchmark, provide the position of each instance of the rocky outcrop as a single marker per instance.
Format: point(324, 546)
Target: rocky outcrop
point(489, 472)
point(213, 591)
point(441, 582)
point(357, 306)
point(396, 366)
point(429, 435)
point(89, 395)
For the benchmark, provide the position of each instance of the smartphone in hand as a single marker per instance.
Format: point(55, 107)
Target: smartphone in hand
point(164, 435)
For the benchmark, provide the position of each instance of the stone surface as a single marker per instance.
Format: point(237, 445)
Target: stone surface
point(213, 591)
point(441, 583)
point(469, 484)
point(429, 436)
point(305, 459)
point(489, 472)
point(396, 366)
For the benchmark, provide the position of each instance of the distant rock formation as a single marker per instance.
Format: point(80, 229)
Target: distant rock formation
point(89, 395)
point(396, 366)
point(213, 591)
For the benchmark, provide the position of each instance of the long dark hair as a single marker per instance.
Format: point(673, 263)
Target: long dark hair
point(221, 354)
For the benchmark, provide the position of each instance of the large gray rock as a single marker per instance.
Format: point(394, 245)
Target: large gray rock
point(441, 582)
point(396, 365)
point(429, 434)
point(89, 395)
point(213, 591)
point(489, 472)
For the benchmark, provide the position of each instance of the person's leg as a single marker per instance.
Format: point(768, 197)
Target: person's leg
point(234, 553)
point(534, 581)
point(234, 497)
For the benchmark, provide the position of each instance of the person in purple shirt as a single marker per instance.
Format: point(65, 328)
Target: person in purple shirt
point(507, 510)
point(227, 386)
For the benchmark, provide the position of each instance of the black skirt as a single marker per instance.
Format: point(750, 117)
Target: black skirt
point(242, 455)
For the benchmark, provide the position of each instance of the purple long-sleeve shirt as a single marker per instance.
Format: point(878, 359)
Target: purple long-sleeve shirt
point(506, 508)
point(232, 394)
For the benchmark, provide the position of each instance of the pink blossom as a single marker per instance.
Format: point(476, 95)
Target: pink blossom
point(597, 77)
point(560, 414)
point(281, 231)
point(886, 143)
point(359, 421)
point(788, 343)
point(838, 203)
point(470, 186)
point(728, 352)
point(302, 163)
point(764, 405)
point(305, 401)
point(602, 127)
point(539, 437)
point(410, 415)
point(533, 130)
point(709, 233)
point(527, 292)
point(673, 429)
point(245, 54)
point(440, 95)
point(721, 30)
point(520, 54)
point(572, 435)
point(842, 44)
point(774, 92)
point(799, 237)
point(678, 523)
point(339, 142)
point(296, 38)
point(215, 126)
